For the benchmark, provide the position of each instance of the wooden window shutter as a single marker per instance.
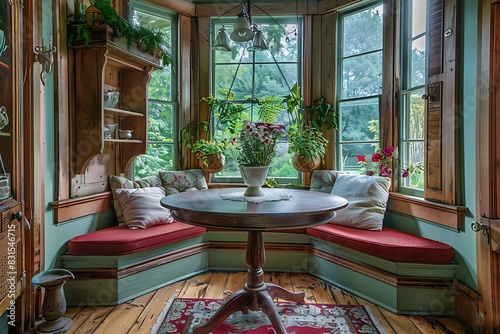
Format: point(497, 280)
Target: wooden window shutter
point(442, 121)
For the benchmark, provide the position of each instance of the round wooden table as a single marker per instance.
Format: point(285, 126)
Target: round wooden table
point(206, 208)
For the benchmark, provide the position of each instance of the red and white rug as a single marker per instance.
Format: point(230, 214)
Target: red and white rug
point(181, 315)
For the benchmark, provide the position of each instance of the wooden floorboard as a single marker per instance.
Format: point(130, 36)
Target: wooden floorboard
point(140, 314)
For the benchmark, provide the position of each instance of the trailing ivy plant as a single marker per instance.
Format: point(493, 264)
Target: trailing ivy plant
point(150, 40)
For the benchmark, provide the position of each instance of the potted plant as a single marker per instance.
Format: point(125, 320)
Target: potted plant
point(258, 142)
point(306, 140)
point(196, 135)
point(308, 147)
point(90, 24)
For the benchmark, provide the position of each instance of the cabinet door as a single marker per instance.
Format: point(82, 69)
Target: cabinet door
point(11, 229)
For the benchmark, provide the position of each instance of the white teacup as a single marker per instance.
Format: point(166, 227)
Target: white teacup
point(4, 118)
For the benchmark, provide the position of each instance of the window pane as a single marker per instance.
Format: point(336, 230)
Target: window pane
point(359, 120)
point(418, 17)
point(414, 121)
point(267, 79)
point(412, 113)
point(350, 152)
point(159, 85)
point(363, 31)
point(282, 41)
point(267, 75)
point(160, 122)
point(417, 62)
point(160, 152)
point(158, 157)
point(412, 153)
point(362, 76)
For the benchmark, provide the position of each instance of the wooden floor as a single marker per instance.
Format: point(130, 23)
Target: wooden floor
point(139, 315)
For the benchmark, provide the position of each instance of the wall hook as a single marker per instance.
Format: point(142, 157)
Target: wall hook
point(45, 56)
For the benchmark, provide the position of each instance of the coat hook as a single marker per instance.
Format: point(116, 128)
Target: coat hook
point(45, 56)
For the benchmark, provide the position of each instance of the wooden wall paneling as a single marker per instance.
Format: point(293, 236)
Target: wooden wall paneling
point(327, 6)
point(135, 84)
point(89, 63)
point(187, 57)
point(484, 168)
point(182, 7)
point(390, 75)
point(32, 242)
point(62, 98)
point(328, 81)
point(274, 8)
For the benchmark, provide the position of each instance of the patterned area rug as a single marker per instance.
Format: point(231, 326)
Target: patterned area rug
point(181, 315)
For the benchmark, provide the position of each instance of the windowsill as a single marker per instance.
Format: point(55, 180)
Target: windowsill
point(443, 214)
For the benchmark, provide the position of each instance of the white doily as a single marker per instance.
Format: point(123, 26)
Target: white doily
point(240, 197)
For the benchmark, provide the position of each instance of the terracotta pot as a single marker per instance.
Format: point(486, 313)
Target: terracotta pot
point(216, 163)
point(304, 164)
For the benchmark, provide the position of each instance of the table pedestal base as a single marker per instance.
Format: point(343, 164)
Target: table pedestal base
point(256, 295)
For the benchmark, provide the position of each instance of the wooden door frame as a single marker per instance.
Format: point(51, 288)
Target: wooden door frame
point(487, 167)
point(34, 156)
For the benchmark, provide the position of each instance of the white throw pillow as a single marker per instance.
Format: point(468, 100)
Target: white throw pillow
point(141, 207)
point(367, 196)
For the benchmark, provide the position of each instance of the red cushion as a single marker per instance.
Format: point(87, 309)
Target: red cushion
point(388, 244)
point(119, 240)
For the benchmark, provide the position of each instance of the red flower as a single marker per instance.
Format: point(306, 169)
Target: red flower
point(369, 172)
point(406, 173)
point(385, 171)
point(361, 158)
point(388, 151)
point(376, 157)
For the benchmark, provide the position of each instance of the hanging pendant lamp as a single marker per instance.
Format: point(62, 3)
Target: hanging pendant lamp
point(259, 42)
point(242, 31)
point(221, 41)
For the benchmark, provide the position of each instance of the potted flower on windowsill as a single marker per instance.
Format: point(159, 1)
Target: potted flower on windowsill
point(307, 143)
point(380, 163)
point(257, 150)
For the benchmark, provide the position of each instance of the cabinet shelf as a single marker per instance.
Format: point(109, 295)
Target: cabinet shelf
point(97, 68)
point(121, 112)
point(136, 141)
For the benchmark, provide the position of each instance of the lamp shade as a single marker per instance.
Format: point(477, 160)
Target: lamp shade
point(242, 31)
point(221, 41)
point(259, 42)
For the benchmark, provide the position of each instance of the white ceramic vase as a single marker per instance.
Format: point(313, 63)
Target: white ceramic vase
point(254, 178)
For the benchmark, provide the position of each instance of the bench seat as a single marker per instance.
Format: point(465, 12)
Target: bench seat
point(120, 240)
point(388, 244)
